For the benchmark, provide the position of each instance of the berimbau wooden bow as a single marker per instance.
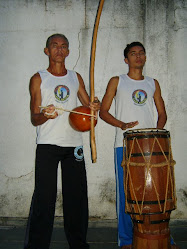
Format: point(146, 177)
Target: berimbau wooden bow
point(92, 92)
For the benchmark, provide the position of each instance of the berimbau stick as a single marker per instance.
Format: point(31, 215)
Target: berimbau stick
point(65, 110)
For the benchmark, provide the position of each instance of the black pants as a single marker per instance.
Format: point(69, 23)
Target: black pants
point(74, 192)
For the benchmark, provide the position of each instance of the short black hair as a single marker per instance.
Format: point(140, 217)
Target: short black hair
point(129, 46)
point(56, 35)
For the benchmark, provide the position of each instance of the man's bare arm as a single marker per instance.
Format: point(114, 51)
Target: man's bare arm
point(160, 106)
point(84, 98)
point(106, 104)
point(38, 117)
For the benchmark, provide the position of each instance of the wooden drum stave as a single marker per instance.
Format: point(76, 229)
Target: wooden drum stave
point(149, 186)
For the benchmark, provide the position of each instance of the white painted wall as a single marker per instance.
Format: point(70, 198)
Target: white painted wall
point(24, 28)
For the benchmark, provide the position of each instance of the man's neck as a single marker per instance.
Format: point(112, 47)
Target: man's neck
point(136, 74)
point(57, 69)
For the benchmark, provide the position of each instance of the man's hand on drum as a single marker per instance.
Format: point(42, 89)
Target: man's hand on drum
point(50, 112)
point(125, 126)
point(95, 105)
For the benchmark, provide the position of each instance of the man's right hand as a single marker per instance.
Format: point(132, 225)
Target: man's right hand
point(50, 112)
point(125, 126)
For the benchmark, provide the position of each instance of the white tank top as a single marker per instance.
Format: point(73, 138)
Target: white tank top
point(61, 92)
point(134, 102)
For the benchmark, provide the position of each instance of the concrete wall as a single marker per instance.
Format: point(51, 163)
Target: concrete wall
point(24, 27)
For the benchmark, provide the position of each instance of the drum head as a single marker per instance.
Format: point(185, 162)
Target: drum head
point(149, 131)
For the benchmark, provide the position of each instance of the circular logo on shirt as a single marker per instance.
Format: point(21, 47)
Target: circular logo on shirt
point(62, 93)
point(78, 153)
point(139, 96)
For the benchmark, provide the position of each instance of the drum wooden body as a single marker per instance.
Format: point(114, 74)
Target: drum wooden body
point(149, 186)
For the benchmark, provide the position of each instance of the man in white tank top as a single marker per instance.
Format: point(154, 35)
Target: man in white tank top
point(58, 142)
point(135, 95)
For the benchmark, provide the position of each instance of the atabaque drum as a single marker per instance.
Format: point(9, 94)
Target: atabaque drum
point(149, 186)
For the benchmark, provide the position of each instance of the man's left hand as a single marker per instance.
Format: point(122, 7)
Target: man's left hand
point(95, 105)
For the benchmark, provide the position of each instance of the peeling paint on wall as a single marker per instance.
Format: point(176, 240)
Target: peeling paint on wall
point(184, 196)
point(15, 195)
point(180, 212)
point(107, 191)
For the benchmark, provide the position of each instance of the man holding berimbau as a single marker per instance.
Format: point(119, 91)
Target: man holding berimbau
point(58, 142)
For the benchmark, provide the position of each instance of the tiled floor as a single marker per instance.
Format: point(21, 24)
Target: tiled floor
point(101, 235)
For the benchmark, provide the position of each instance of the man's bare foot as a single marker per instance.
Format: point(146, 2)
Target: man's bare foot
point(174, 247)
point(126, 247)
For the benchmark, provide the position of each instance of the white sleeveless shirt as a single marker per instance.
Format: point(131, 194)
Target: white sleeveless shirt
point(134, 102)
point(61, 92)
